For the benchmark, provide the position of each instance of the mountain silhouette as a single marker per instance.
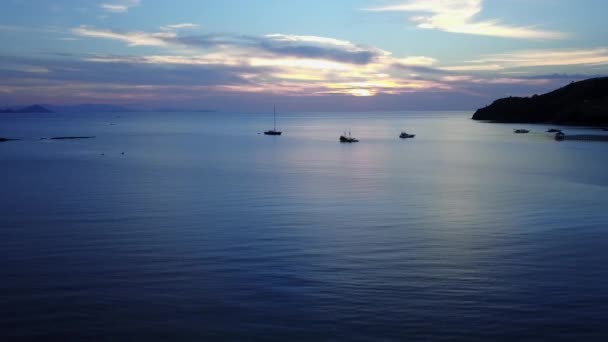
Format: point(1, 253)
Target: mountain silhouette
point(579, 103)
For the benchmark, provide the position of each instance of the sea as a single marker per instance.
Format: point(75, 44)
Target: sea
point(198, 227)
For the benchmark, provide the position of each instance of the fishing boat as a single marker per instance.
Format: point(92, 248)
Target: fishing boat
point(521, 131)
point(274, 130)
point(404, 135)
point(347, 138)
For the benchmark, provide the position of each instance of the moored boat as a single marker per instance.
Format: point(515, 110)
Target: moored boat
point(347, 138)
point(274, 130)
point(404, 135)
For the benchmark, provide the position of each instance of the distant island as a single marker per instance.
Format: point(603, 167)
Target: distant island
point(89, 108)
point(579, 103)
point(28, 109)
point(96, 108)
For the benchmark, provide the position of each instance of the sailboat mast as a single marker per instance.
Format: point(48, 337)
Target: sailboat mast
point(274, 109)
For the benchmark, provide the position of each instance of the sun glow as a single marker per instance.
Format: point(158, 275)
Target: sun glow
point(361, 92)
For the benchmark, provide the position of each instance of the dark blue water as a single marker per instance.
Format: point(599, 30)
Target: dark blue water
point(205, 229)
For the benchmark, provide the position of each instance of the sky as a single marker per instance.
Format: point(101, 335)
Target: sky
point(314, 55)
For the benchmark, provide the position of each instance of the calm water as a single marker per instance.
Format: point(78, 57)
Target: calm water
point(205, 229)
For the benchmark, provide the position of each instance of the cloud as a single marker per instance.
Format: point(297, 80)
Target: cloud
point(125, 71)
point(115, 8)
point(205, 82)
point(179, 26)
point(273, 63)
point(131, 38)
point(458, 16)
point(532, 58)
point(422, 61)
point(36, 70)
point(306, 47)
point(310, 47)
point(185, 66)
point(314, 47)
point(474, 67)
point(120, 6)
point(535, 58)
point(313, 65)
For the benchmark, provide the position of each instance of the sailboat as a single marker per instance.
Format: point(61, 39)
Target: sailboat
point(274, 130)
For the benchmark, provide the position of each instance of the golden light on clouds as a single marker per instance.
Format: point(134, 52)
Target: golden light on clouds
point(362, 92)
point(312, 65)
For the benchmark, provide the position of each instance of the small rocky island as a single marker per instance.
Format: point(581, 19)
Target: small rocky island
point(28, 109)
point(579, 103)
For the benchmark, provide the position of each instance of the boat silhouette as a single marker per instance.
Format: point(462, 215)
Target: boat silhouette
point(274, 130)
point(404, 135)
point(347, 138)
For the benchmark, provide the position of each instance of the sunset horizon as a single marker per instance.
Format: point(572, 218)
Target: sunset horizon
point(365, 55)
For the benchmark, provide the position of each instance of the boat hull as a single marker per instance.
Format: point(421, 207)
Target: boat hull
point(344, 139)
point(273, 133)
